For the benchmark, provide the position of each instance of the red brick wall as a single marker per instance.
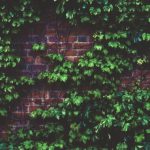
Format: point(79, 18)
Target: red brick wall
point(61, 38)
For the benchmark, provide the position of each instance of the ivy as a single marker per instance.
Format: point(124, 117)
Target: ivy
point(95, 114)
point(13, 15)
point(38, 47)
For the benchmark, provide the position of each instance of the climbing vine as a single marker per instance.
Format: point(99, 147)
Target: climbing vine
point(97, 112)
point(13, 15)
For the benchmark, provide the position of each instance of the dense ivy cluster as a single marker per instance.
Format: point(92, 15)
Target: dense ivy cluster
point(13, 15)
point(97, 112)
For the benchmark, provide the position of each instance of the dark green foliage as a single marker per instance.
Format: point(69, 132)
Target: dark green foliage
point(97, 114)
point(38, 47)
point(13, 15)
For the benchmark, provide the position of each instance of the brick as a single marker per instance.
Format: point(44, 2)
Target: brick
point(37, 101)
point(32, 107)
point(62, 94)
point(38, 94)
point(62, 38)
point(52, 39)
point(19, 115)
point(51, 25)
point(90, 39)
point(81, 45)
point(63, 31)
point(126, 81)
point(36, 68)
point(49, 101)
point(39, 60)
point(83, 30)
point(146, 81)
point(4, 134)
point(56, 101)
point(34, 38)
point(37, 53)
point(26, 46)
point(51, 31)
point(145, 86)
point(59, 45)
point(62, 51)
point(52, 46)
point(72, 58)
point(76, 58)
point(64, 45)
point(136, 73)
point(17, 108)
point(81, 51)
point(83, 38)
point(55, 94)
point(72, 39)
point(23, 66)
point(148, 76)
point(71, 53)
point(28, 59)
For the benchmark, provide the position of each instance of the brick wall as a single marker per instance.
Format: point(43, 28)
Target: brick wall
point(59, 37)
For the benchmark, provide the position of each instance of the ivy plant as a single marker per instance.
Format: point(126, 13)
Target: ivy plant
point(13, 15)
point(97, 112)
